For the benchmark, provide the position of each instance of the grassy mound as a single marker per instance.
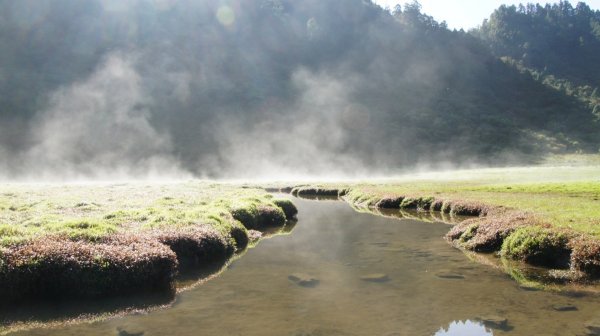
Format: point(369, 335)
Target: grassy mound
point(270, 216)
point(58, 268)
point(197, 246)
point(240, 236)
point(318, 191)
point(465, 208)
point(538, 246)
point(259, 217)
point(585, 256)
point(487, 234)
point(437, 205)
point(389, 202)
point(289, 209)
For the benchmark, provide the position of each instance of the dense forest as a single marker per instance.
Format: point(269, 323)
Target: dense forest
point(245, 88)
point(558, 45)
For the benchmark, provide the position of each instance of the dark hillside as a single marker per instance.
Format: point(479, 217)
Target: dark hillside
point(245, 88)
point(558, 45)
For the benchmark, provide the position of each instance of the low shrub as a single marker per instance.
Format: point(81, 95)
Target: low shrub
point(197, 245)
point(389, 202)
point(467, 209)
point(585, 255)
point(436, 205)
point(247, 215)
point(425, 203)
point(269, 217)
point(446, 207)
point(240, 236)
point(491, 230)
point(539, 246)
point(319, 191)
point(469, 233)
point(259, 217)
point(410, 203)
point(289, 209)
point(62, 268)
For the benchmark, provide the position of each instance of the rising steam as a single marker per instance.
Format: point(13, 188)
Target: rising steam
point(100, 128)
point(136, 89)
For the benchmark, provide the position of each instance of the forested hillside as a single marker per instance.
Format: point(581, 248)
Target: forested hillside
point(245, 88)
point(558, 45)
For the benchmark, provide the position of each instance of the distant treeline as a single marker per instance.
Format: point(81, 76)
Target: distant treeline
point(558, 45)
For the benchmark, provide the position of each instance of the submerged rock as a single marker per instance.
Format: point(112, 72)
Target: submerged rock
point(593, 327)
point(573, 293)
point(375, 277)
point(529, 288)
point(564, 308)
point(394, 249)
point(494, 321)
point(319, 332)
point(303, 280)
point(450, 275)
point(123, 332)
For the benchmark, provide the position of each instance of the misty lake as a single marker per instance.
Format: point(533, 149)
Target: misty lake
point(341, 272)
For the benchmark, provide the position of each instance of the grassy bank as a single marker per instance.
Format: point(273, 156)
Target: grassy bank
point(106, 239)
point(547, 215)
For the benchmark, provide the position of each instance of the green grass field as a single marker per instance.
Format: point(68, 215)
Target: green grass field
point(93, 211)
point(564, 196)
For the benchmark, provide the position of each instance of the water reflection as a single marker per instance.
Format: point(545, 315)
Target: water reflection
point(465, 328)
point(27, 315)
point(418, 215)
point(318, 197)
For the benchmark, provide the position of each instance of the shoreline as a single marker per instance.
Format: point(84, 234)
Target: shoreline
point(77, 263)
point(510, 233)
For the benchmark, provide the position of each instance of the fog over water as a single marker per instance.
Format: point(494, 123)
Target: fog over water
point(249, 89)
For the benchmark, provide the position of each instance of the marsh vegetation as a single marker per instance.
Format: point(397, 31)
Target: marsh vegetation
point(88, 241)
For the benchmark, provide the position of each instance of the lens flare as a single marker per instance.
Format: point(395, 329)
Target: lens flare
point(226, 16)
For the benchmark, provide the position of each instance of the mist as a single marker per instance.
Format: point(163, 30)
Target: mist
point(255, 89)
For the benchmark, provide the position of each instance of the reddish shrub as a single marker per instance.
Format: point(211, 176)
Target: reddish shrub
point(197, 245)
point(464, 208)
point(60, 268)
point(436, 205)
point(490, 232)
point(585, 255)
point(389, 202)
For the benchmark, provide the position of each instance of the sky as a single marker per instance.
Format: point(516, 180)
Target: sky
point(466, 14)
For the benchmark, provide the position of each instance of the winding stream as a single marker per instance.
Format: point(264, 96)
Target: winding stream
point(341, 272)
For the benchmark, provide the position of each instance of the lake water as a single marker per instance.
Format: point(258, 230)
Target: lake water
point(365, 275)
